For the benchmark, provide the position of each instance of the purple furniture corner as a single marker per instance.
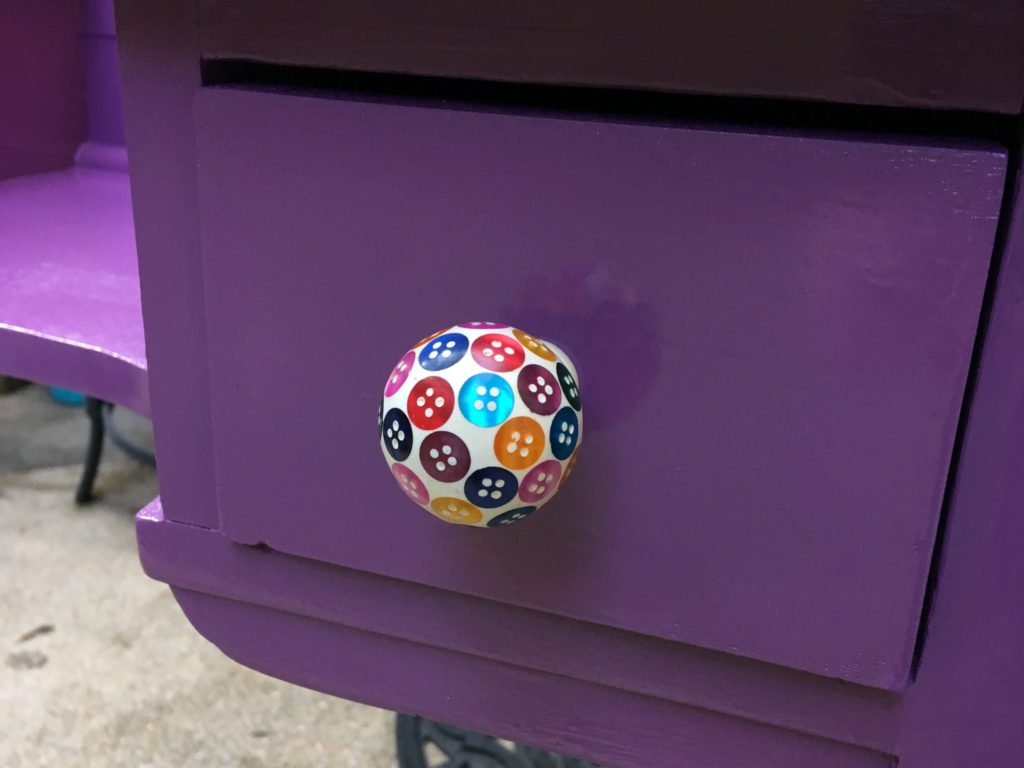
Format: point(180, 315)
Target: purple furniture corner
point(793, 535)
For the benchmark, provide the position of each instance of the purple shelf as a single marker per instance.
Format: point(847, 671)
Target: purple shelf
point(70, 308)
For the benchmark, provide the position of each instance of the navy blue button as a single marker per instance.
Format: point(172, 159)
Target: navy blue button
point(444, 351)
point(569, 386)
point(512, 516)
point(565, 433)
point(397, 434)
point(491, 487)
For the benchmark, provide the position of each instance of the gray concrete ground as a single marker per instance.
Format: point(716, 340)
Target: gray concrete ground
point(100, 668)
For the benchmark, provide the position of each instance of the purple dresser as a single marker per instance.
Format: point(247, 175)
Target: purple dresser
point(792, 536)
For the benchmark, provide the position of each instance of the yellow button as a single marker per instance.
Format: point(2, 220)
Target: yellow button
point(456, 510)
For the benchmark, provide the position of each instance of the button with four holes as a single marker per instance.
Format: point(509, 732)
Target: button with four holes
point(538, 388)
point(431, 402)
point(486, 399)
point(397, 434)
point(412, 485)
point(491, 487)
point(565, 433)
point(535, 345)
point(519, 442)
point(445, 456)
point(456, 510)
point(498, 352)
point(512, 516)
point(444, 351)
point(540, 482)
point(568, 383)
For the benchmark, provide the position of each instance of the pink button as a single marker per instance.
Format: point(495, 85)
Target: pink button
point(540, 482)
point(400, 374)
point(411, 484)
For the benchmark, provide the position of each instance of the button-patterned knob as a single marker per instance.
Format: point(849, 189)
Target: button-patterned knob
point(480, 423)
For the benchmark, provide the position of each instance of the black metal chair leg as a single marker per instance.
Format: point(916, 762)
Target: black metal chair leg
point(468, 749)
point(93, 454)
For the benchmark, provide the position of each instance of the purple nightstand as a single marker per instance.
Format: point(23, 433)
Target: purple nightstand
point(793, 534)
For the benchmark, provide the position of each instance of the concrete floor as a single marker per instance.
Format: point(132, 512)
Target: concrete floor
point(100, 667)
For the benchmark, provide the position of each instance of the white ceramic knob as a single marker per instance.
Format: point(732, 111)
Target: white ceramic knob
point(481, 423)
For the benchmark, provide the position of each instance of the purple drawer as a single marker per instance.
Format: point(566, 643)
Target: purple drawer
point(772, 334)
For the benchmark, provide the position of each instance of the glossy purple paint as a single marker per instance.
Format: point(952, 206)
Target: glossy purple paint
point(795, 322)
point(70, 313)
point(70, 309)
point(618, 697)
point(620, 729)
point(159, 77)
point(196, 559)
point(102, 76)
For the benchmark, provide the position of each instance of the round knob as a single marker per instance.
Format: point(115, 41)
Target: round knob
point(481, 422)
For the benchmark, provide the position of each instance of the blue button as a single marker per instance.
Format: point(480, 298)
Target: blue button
point(565, 433)
point(512, 516)
point(491, 487)
point(486, 399)
point(397, 434)
point(444, 351)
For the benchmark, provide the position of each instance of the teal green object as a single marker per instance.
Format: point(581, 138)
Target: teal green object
point(67, 396)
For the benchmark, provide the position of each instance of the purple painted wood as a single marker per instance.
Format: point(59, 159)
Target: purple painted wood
point(42, 112)
point(70, 312)
point(772, 334)
point(70, 308)
point(196, 559)
point(954, 54)
point(612, 727)
point(961, 710)
point(102, 77)
point(966, 706)
point(160, 73)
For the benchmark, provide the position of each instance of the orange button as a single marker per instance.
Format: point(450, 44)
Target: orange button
point(538, 347)
point(519, 443)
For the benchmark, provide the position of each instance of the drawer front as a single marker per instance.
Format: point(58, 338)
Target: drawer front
point(772, 335)
point(961, 54)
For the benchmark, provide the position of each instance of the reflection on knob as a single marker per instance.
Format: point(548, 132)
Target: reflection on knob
point(480, 423)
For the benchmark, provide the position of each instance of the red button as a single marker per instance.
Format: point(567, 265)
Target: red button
point(498, 352)
point(431, 402)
